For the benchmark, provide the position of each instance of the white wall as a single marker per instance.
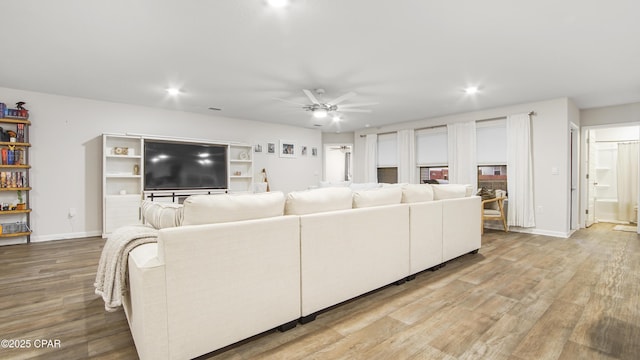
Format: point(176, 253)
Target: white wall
point(66, 153)
point(550, 133)
point(609, 115)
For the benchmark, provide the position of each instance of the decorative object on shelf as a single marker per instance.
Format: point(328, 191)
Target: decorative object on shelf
point(120, 150)
point(257, 148)
point(271, 148)
point(287, 149)
point(314, 151)
point(21, 205)
point(136, 169)
point(19, 112)
point(243, 155)
point(237, 173)
point(264, 178)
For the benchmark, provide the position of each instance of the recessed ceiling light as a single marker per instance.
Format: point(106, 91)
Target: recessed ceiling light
point(173, 91)
point(278, 3)
point(471, 90)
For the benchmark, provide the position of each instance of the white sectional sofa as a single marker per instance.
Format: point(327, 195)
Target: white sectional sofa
point(239, 265)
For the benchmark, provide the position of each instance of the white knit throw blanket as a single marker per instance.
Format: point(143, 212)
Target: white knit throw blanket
point(111, 281)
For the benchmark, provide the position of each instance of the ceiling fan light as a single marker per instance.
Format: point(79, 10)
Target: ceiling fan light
point(336, 118)
point(320, 113)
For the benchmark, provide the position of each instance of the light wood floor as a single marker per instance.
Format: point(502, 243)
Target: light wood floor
point(521, 297)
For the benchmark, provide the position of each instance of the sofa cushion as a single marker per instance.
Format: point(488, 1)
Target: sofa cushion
point(412, 193)
point(364, 186)
point(221, 208)
point(451, 191)
point(377, 197)
point(162, 215)
point(318, 200)
point(324, 184)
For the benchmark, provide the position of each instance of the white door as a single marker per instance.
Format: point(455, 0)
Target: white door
point(591, 178)
point(575, 208)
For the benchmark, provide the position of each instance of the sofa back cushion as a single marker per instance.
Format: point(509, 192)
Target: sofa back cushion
point(387, 195)
point(162, 215)
point(364, 186)
point(211, 209)
point(318, 200)
point(412, 193)
point(451, 191)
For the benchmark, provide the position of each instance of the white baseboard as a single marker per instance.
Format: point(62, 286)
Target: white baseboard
point(535, 231)
point(65, 236)
point(532, 231)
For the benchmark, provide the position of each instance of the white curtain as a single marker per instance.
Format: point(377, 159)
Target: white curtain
point(627, 175)
point(406, 157)
point(519, 172)
point(371, 158)
point(461, 146)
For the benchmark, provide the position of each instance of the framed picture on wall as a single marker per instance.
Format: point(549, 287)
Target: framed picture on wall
point(257, 148)
point(303, 150)
point(314, 151)
point(271, 148)
point(288, 149)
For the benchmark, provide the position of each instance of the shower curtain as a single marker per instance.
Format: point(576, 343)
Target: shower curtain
point(627, 175)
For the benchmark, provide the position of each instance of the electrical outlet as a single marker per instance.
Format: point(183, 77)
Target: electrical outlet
point(72, 212)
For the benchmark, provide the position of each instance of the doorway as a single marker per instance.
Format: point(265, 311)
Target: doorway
point(338, 165)
point(612, 168)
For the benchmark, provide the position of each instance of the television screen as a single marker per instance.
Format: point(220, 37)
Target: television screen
point(177, 166)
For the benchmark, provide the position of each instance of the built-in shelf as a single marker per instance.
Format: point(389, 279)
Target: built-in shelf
point(123, 176)
point(5, 235)
point(124, 156)
point(603, 168)
point(241, 176)
point(603, 186)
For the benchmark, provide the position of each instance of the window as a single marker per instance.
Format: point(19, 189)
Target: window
point(491, 142)
point(438, 174)
point(388, 175)
point(492, 177)
point(388, 158)
point(432, 154)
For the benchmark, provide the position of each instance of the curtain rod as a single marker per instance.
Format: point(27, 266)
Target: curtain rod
point(530, 113)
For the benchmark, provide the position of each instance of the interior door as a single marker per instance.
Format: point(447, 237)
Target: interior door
point(574, 210)
point(592, 180)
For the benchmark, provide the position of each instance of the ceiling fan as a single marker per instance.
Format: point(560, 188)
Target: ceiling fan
point(321, 109)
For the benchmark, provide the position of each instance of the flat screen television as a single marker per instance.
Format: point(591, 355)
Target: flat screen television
point(181, 166)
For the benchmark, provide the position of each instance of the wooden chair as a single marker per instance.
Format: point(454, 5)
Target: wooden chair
point(493, 209)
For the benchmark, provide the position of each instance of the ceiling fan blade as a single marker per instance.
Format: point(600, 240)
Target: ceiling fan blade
point(342, 98)
point(288, 101)
point(311, 96)
point(355, 110)
point(357, 105)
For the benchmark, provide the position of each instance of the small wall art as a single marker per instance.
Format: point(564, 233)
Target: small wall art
point(303, 150)
point(314, 151)
point(257, 148)
point(271, 148)
point(288, 149)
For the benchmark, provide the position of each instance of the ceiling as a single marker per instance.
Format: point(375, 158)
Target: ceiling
point(412, 57)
